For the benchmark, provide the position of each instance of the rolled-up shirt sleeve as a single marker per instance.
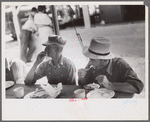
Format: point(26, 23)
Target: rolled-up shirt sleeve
point(130, 76)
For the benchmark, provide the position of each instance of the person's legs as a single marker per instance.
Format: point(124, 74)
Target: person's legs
point(24, 40)
point(19, 70)
point(32, 48)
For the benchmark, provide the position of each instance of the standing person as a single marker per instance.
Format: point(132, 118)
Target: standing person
point(57, 68)
point(27, 44)
point(44, 23)
point(109, 71)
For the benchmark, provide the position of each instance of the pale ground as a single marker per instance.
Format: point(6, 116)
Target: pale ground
point(128, 41)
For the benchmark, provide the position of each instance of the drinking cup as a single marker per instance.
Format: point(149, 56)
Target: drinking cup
point(19, 92)
point(79, 93)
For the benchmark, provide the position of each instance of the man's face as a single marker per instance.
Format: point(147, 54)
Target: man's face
point(99, 62)
point(51, 50)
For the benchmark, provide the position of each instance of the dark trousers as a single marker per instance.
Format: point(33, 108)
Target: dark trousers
point(27, 47)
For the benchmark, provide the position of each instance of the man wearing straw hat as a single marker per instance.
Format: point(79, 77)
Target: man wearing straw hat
point(57, 68)
point(107, 70)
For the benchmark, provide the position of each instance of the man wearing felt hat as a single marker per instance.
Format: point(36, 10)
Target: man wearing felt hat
point(107, 70)
point(57, 68)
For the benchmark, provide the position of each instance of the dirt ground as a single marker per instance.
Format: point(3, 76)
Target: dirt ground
point(128, 41)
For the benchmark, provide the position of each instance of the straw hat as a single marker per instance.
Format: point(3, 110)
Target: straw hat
point(99, 49)
point(55, 39)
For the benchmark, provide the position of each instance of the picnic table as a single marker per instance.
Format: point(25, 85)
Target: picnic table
point(67, 91)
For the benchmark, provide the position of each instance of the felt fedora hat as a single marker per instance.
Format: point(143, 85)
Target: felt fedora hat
point(55, 39)
point(99, 49)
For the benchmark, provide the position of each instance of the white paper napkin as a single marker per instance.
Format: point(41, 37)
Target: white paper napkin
point(52, 91)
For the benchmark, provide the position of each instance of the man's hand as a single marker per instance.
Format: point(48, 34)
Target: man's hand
point(82, 73)
point(102, 80)
point(106, 83)
point(81, 76)
point(41, 57)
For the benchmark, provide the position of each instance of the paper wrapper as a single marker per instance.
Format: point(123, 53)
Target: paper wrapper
point(53, 92)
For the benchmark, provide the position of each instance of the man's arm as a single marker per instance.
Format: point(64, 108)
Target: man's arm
point(47, 20)
point(122, 87)
point(85, 76)
point(129, 81)
point(30, 75)
point(29, 78)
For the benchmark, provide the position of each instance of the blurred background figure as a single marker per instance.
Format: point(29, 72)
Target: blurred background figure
point(44, 24)
point(29, 30)
point(9, 75)
point(16, 70)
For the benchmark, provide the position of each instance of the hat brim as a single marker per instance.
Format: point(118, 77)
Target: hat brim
point(90, 55)
point(48, 43)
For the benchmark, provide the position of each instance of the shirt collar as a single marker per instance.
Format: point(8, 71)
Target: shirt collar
point(109, 67)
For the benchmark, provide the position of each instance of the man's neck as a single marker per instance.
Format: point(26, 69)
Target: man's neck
point(56, 60)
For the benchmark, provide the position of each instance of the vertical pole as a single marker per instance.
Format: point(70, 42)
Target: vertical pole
point(16, 21)
point(78, 11)
point(86, 16)
point(55, 20)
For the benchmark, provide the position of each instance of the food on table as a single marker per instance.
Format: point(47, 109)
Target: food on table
point(101, 93)
point(49, 89)
point(92, 86)
point(46, 91)
point(106, 95)
point(39, 94)
point(52, 91)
